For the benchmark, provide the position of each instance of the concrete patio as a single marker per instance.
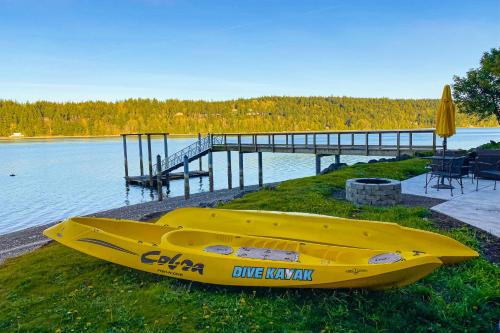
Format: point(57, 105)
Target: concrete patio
point(480, 209)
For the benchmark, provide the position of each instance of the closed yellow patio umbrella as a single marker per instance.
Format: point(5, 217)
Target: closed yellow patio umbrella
point(445, 118)
point(445, 123)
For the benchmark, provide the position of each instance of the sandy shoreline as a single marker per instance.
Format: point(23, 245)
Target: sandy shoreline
point(23, 241)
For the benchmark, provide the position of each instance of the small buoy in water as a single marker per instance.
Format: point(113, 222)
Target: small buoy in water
point(12, 175)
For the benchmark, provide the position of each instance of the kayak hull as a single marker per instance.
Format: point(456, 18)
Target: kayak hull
point(181, 253)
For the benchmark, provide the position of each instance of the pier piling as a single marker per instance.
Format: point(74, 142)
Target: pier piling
point(337, 159)
point(150, 161)
point(240, 158)
point(141, 162)
point(165, 145)
point(186, 177)
point(229, 171)
point(200, 159)
point(318, 164)
point(210, 171)
point(261, 180)
point(158, 178)
point(165, 151)
point(125, 155)
point(398, 139)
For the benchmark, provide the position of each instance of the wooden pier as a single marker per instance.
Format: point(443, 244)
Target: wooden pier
point(324, 143)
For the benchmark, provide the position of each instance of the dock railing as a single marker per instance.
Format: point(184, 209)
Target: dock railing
point(370, 142)
point(193, 151)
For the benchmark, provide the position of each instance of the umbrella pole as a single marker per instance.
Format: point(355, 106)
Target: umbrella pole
point(444, 155)
point(440, 184)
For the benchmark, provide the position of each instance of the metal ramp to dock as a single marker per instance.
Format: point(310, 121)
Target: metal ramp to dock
point(193, 152)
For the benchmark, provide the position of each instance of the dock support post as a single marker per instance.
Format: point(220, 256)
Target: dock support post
point(338, 143)
point(229, 171)
point(210, 171)
point(125, 156)
point(165, 151)
point(366, 144)
point(240, 158)
point(261, 178)
point(199, 148)
point(411, 142)
point(150, 161)
point(158, 178)
point(337, 159)
point(318, 164)
point(398, 143)
point(165, 145)
point(141, 163)
point(314, 143)
point(186, 177)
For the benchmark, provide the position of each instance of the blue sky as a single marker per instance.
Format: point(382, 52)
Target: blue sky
point(109, 50)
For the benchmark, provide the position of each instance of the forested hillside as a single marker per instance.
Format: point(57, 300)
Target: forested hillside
point(256, 114)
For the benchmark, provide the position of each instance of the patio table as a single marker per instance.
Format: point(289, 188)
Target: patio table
point(438, 158)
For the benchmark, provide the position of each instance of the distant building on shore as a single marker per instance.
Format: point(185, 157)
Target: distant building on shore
point(17, 135)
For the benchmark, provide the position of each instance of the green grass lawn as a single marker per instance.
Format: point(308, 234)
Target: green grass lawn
point(56, 289)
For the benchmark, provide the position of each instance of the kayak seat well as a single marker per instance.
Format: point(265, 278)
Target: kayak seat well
point(223, 244)
point(202, 240)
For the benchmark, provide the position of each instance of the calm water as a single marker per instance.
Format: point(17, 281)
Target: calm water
point(56, 179)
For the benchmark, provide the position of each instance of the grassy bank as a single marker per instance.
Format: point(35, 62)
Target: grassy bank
point(56, 289)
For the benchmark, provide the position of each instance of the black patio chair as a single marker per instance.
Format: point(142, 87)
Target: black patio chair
point(446, 169)
point(487, 170)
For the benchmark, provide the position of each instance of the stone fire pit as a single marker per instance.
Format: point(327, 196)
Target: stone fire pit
point(373, 191)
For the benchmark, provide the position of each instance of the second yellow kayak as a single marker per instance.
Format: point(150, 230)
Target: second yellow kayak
point(322, 230)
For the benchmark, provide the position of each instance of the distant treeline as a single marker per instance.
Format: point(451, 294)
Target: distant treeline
point(249, 115)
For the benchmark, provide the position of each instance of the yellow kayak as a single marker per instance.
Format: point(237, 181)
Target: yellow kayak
point(321, 229)
point(228, 258)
